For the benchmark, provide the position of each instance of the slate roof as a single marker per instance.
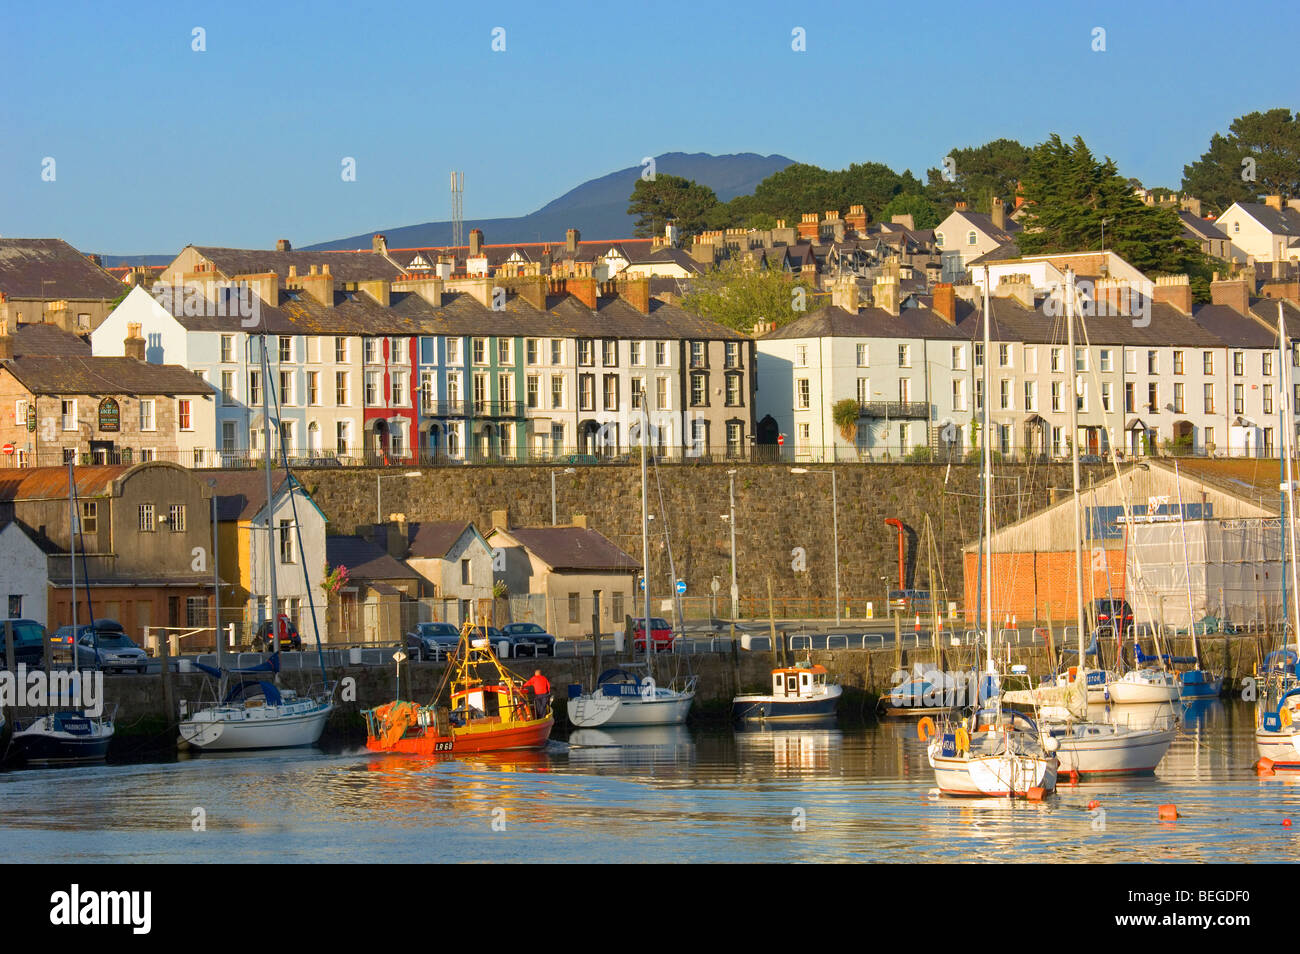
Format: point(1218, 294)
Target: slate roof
point(242, 493)
point(103, 375)
point(344, 266)
point(1199, 227)
point(835, 322)
point(432, 540)
point(574, 549)
point(47, 341)
point(50, 269)
point(365, 560)
point(675, 256)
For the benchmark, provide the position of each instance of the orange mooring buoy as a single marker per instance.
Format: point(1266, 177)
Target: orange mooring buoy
point(1093, 804)
point(1264, 767)
point(1286, 823)
point(1035, 794)
point(1168, 812)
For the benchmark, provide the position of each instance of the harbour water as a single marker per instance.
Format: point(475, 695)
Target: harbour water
point(851, 792)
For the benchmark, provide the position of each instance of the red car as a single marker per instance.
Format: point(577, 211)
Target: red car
point(661, 632)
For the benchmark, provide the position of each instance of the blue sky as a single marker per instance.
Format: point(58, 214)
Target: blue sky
point(156, 145)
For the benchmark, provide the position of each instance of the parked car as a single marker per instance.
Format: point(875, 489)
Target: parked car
point(529, 636)
point(103, 644)
point(29, 644)
point(289, 638)
point(661, 633)
point(432, 640)
point(1110, 613)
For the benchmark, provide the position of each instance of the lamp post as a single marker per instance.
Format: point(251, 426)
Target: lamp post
point(567, 470)
point(835, 523)
point(379, 510)
point(735, 590)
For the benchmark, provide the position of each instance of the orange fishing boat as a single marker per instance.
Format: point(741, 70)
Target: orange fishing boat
point(490, 709)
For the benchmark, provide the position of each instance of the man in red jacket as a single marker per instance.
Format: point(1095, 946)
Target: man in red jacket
point(541, 687)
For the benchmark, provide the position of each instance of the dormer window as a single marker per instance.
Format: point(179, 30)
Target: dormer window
point(938, 239)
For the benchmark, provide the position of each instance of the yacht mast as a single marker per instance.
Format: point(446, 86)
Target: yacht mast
point(988, 488)
point(645, 535)
point(1077, 522)
point(1287, 443)
point(270, 535)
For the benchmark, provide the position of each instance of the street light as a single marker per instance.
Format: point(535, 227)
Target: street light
point(735, 590)
point(835, 523)
point(567, 470)
point(379, 510)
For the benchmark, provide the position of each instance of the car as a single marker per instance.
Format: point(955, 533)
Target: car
point(1109, 612)
point(29, 644)
point(529, 636)
point(432, 640)
point(661, 633)
point(289, 638)
point(103, 644)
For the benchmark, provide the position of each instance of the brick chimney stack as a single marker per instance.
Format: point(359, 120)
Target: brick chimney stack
point(857, 219)
point(319, 284)
point(886, 294)
point(809, 226)
point(998, 213)
point(959, 205)
point(844, 294)
point(945, 302)
point(282, 245)
point(1273, 202)
point(133, 345)
point(1234, 293)
point(571, 239)
point(1174, 290)
point(636, 292)
point(475, 242)
point(6, 342)
point(379, 244)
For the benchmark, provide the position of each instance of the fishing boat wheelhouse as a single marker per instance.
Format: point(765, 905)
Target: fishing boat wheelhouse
point(489, 709)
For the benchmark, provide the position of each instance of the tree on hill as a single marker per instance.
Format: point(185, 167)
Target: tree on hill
point(1069, 193)
point(925, 214)
point(1271, 139)
point(738, 294)
point(804, 188)
point(979, 173)
point(655, 201)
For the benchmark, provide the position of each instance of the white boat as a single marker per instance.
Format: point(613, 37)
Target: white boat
point(255, 713)
point(1001, 758)
point(258, 715)
point(620, 699)
point(1003, 755)
point(1143, 686)
point(1085, 746)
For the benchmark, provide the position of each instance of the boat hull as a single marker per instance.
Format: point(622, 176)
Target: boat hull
point(993, 776)
point(45, 747)
point(1281, 748)
point(210, 731)
point(1112, 753)
point(760, 708)
point(1199, 685)
point(532, 734)
point(1126, 692)
point(594, 711)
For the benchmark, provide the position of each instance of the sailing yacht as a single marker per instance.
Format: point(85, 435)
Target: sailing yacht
point(1277, 713)
point(253, 713)
point(1083, 746)
point(67, 735)
point(1001, 754)
point(619, 698)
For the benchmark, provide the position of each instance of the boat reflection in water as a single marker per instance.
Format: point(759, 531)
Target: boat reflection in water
point(810, 747)
point(631, 745)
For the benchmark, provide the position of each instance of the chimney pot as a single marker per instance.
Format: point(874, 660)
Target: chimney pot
point(282, 245)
